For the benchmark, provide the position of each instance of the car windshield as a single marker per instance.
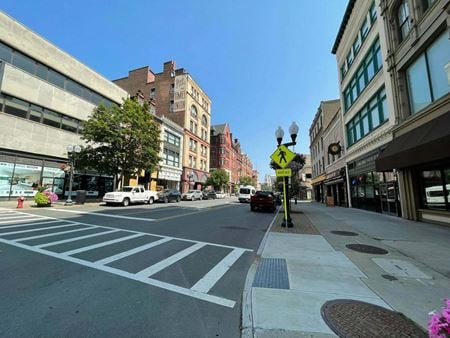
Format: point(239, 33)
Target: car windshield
point(126, 189)
point(244, 191)
point(191, 191)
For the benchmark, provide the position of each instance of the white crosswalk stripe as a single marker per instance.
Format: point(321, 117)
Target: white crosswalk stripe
point(200, 290)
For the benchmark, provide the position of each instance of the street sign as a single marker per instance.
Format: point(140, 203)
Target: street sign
point(284, 172)
point(282, 156)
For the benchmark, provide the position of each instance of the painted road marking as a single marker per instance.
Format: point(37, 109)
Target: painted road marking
point(30, 224)
point(199, 291)
point(17, 216)
point(151, 270)
point(212, 277)
point(76, 238)
point(28, 219)
point(130, 252)
point(102, 244)
point(51, 234)
point(104, 215)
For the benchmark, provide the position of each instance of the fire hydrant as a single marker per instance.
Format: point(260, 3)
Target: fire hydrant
point(20, 202)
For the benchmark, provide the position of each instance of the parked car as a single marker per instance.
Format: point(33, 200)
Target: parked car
point(220, 194)
point(169, 195)
point(209, 194)
point(192, 195)
point(263, 200)
point(129, 194)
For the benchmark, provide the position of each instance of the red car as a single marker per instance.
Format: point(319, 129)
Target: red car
point(263, 200)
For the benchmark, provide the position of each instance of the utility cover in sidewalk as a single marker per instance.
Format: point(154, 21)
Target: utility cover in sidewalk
point(355, 319)
point(344, 233)
point(272, 273)
point(374, 250)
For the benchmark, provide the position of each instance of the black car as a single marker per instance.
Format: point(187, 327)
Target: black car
point(210, 194)
point(169, 195)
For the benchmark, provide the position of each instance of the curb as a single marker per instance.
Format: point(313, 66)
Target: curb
point(247, 330)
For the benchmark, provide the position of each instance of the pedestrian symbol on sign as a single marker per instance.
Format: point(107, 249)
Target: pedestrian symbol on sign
point(281, 155)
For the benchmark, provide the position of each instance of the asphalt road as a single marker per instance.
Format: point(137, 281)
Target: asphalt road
point(164, 270)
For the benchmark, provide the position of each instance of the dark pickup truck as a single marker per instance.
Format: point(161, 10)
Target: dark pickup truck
point(263, 200)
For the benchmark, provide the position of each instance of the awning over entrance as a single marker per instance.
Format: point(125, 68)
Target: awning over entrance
point(427, 143)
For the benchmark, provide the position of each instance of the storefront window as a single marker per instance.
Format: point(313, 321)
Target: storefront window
point(26, 180)
point(6, 172)
point(434, 193)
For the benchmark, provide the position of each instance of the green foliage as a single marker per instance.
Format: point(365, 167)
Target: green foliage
point(121, 141)
point(266, 187)
point(247, 180)
point(218, 178)
point(41, 199)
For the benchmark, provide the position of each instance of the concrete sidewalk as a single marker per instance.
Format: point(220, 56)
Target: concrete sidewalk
point(302, 268)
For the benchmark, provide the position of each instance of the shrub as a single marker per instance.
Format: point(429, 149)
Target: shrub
point(41, 199)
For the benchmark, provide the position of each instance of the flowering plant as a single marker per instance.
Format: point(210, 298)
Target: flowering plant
point(45, 198)
point(52, 197)
point(439, 323)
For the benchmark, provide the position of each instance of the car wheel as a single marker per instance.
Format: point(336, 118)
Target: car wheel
point(166, 200)
point(151, 200)
point(192, 199)
point(178, 199)
point(126, 202)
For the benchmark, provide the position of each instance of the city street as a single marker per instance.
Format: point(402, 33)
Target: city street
point(160, 270)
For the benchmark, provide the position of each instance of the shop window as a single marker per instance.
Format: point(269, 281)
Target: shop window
point(435, 193)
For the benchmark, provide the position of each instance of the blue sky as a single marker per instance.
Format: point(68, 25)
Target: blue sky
point(263, 63)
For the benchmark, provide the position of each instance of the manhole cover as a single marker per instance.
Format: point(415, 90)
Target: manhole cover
point(344, 233)
point(354, 319)
point(367, 249)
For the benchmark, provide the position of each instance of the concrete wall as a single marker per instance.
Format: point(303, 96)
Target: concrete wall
point(23, 39)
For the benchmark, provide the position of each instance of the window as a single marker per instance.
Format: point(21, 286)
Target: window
point(69, 124)
point(361, 79)
point(204, 121)
point(171, 158)
point(364, 29)
point(52, 118)
point(152, 92)
point(403, 19)
point(343, 70)
point(74, 88)
point(56, 78)
point(24, 62)
point(193, 111)
point(36, 113)
point(377, 52)
point(171, 105)
point(5, 53)
point(356, 45)
point(427, 4)
point(435, 186)
point(373, 12)
point(16, 107)
point(41, 71)
point(350, 58)
point(438, 57)
point(419, 87)
point(172, 139)
point(372, 115)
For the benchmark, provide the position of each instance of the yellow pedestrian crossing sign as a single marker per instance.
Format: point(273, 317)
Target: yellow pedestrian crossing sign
point(282, 156)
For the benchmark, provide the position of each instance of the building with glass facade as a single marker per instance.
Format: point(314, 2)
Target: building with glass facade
point(44, 95)
point(367, 106)
point(419, 64)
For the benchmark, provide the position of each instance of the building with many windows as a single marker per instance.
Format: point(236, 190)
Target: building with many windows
point(226, 154)
point(419, 66)
point(179, 98)
point(324, 115)
point(367, 106)
point(45, 94)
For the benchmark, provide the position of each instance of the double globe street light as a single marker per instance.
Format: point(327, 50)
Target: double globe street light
point(279, 133)
point(72, 150)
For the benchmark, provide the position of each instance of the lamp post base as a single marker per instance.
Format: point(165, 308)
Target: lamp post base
point(287, 223)
point(69, 202)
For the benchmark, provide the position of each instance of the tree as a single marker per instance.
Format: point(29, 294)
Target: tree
point(218, 178)
point(121, 140)
point(247, 180)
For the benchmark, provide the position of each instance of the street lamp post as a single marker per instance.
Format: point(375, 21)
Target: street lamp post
point(279, 133)
point(71, 151)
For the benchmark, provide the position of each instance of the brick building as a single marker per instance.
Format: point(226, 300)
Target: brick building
point(178, 97)
point(226, 154)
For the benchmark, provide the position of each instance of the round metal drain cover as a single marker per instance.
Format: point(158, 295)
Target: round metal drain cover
point(354, 319)
point(344, 233)
point(367, 249)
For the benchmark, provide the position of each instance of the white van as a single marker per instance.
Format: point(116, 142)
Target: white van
point(245, 192)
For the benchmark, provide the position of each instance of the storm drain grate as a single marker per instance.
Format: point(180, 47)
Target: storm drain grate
point(344, 233)
point(369, 249)
point(272, 273)
point(355, 319)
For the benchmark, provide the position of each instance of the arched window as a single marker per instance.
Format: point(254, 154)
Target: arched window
point(193, 111)
point(403, 16)
point(204, 121)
